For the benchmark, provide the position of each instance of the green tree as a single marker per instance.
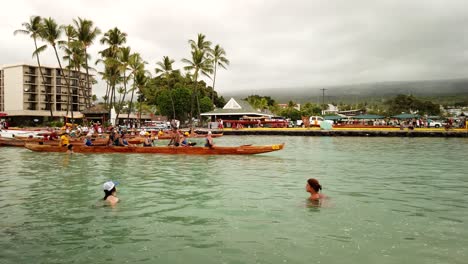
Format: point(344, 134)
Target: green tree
point(164, 68)
point(218, 56)
point(86, 34)
point(114, 39)
point(182, 98)
point(33, 28)
point(310, 109)
point(137, 69)
point(199, 64)
point(70, 32)
point(123, 56)
point(51, 33)
point(206, 104)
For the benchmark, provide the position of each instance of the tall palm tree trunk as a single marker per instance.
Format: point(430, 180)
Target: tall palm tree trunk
point(122, 99)
point(131, 99)
point(87, 99)
point(43, 81)
point(69, 91)
point(214, 80)
point(106, 100)
point(195, 76)
point(172, 99)
point(63, 74)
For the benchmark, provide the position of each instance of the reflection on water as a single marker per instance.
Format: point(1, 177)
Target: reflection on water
point(391, 200)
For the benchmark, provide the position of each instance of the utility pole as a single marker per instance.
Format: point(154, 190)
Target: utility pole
point(323, 98)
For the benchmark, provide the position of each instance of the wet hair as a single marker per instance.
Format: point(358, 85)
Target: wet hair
point(314, 184)
point(108, 193)
point(70, 146)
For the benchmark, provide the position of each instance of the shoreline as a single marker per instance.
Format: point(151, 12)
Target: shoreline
point(346, 132)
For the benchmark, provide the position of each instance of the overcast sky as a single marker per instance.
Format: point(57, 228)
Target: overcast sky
point(273, 44)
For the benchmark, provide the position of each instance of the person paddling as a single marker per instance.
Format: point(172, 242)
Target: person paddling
point(313, 187)
point(209, 140)
point(109, 192)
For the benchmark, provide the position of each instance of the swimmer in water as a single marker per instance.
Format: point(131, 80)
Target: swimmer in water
point(110, 191)
point(313, 187)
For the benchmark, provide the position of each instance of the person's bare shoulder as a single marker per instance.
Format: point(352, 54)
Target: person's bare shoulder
point(113, 200)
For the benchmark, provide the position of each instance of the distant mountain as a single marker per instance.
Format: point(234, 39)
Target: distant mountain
point(365, 91)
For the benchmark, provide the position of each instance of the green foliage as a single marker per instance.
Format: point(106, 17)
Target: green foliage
point(310, 109)
point(164, 103)
point(55, 124)
point(182, 97)
point(205, 104)
point(406, 104)
point(261, 102)
point(292, 114)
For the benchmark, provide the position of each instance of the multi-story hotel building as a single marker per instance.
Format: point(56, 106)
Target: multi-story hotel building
point(23, 92)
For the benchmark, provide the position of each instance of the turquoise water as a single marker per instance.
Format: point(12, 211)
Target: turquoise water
point(391, 200)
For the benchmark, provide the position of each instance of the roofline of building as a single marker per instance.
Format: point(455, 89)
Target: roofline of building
point(226, 114)
point(6, 66)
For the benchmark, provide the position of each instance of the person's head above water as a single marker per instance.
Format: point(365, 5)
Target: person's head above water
point(313, 185)
point(109, 188)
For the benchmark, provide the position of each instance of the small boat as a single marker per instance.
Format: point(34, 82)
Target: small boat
point(216, 150)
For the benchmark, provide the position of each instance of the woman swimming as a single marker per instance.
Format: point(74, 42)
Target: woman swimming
point(109, 192)
point(313, 187)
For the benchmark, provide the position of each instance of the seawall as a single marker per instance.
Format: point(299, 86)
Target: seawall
point(349, 133)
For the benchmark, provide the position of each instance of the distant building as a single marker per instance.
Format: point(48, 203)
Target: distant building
point(24, 94)
point(331, 109)
point(235, 110)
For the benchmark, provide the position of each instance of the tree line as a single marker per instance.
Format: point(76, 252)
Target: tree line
point(175, 93)
point(397, 105)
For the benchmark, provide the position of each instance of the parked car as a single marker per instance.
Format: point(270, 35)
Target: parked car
point(435, 124)
point(317, 120)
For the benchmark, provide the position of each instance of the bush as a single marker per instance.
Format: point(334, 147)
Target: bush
point(55, 124)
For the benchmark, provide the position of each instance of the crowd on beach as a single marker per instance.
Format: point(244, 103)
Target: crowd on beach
point(409, 123)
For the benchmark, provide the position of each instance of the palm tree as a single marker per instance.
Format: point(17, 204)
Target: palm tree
point(51, 33)
point(199, 64)
point(201, 43)
point(136, 65)
point(165, 68)
point(123, 57)
point(115, 39)
point(86, 34)
point(112, 68)
point(140, 82)
point(33, 29)
point(70, 32)
point(218, 56)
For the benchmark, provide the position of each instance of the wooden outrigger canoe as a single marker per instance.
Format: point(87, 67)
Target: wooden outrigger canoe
point(216, 150)
point(11, 142)
point(21, 142)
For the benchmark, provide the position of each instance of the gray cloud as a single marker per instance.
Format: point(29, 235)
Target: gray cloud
point(275, 44)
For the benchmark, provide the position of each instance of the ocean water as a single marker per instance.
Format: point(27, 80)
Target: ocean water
point(390, 200)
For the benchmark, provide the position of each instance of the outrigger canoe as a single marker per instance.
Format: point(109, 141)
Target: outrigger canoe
point(216, 150)
point(11, 142)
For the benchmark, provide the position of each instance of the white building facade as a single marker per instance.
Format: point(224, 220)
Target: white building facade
point(23, 92)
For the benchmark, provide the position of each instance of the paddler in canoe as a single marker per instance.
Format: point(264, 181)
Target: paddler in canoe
point(209, 140)
point(64, 139)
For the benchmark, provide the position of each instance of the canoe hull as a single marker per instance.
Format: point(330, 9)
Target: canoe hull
point(11, 142)
point(217, 150)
